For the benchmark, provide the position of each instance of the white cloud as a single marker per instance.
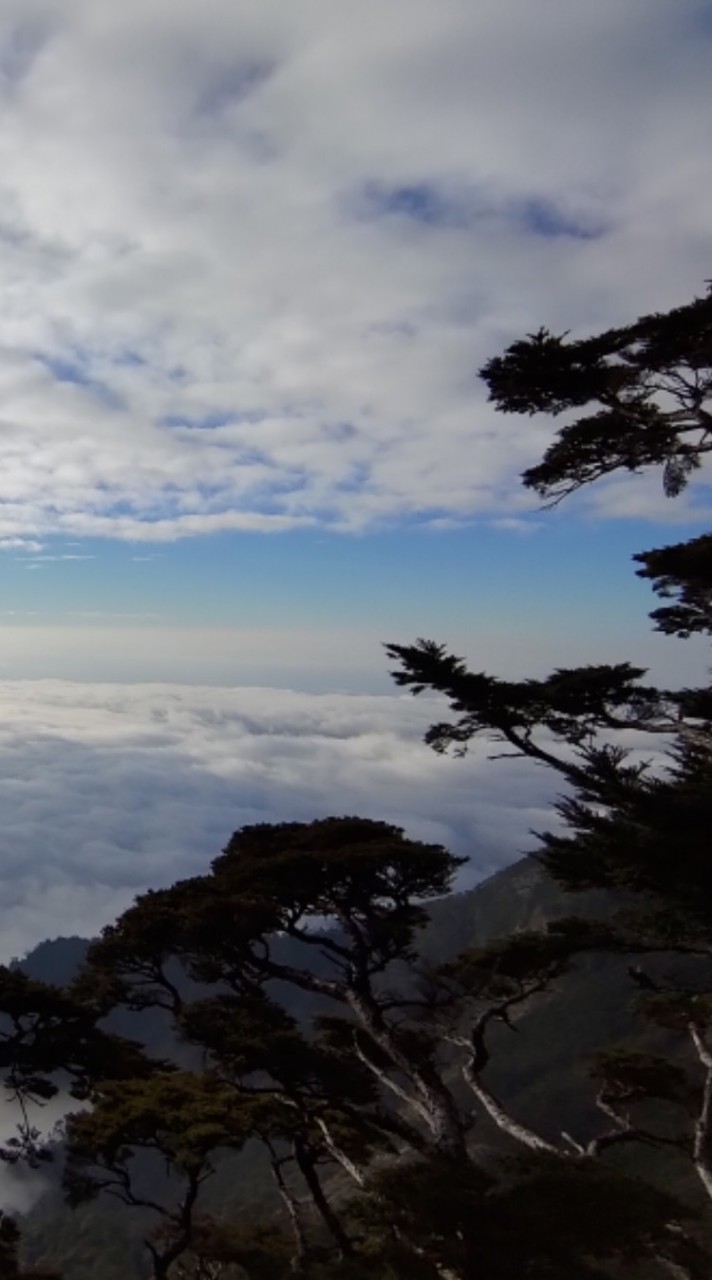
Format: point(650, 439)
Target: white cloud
point(252, 254)
point(513, 524)
point(33, 561)
point(20, 544)
point(109, 789)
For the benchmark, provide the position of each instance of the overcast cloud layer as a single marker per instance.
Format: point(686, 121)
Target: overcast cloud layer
point(252, 253)
point(106, 790)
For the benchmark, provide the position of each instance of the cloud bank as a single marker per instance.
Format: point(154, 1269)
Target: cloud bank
point(106, 790)
point(252, 254)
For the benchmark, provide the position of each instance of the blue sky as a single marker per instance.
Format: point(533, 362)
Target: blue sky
point(514, 602)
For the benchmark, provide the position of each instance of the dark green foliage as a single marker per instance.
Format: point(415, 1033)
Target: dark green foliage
point(272, 880)
point(182, 1116)
point(647, 384)
point(540, 1217)
point(682, 572)
point(45, 1030)
point(570, 703)
point(263, 1251)
point(337, 869)
point(421, 1218)
point(505, 967)
point(627, 1075)
point(9, 1265)
point(244, 1035)
point(179, 1122)
point(9, 1239)
point(575, 1216)
point(628, 843)
point(680, 1009)
point(571, 708)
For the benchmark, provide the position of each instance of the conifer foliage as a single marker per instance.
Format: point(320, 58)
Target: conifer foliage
point(645, 390)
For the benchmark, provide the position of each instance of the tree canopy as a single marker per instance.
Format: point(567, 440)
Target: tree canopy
point(683, 573)
point(647, 388)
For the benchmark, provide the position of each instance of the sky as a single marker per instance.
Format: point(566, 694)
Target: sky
point(252, 256)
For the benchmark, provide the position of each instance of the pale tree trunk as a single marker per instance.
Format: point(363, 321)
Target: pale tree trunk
point(673, 1268)
point(683, 1258)
point(427, 1095)
point(290, 1204)
point(702, 1142)
point(478, 1057)
point(339, 1155)
point(520, 1132)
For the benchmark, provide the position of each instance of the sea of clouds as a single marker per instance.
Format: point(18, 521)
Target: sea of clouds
point(106, 790)
point(110, 789)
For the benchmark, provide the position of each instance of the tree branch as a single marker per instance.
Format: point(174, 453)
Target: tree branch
point(702, 1141)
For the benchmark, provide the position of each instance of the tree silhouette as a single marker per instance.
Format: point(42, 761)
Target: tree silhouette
point(625, 825)
point(647, 385)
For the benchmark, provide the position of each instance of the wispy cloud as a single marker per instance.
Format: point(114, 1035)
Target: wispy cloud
point(43, 559)
point(276, 221)
point(514, 524)
point(87, 614)
point(20, 544)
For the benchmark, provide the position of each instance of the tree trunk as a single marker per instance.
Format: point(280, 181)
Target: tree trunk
point(702, 1142)
point(502, 1119)
point(293, 1214)
point(430, 1097)
point(339, 1155)
point(307, 1166)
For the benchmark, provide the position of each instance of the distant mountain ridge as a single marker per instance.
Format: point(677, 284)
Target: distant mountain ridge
point(56, 960)
point(520, 896)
